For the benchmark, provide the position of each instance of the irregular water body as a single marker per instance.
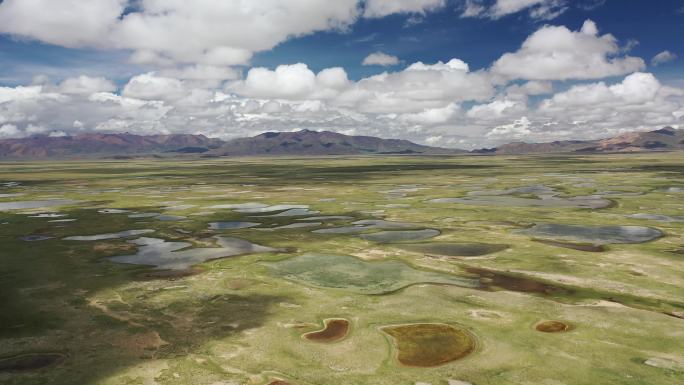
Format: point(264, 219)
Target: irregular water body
point(400, 235)
point(429, 345)
point(588, 202)
point(35, 238)
point(179, 255)
point(599, 235)
point(22, 205)
point(232, 225)
point(454, 249)
point(657, 217)
point(364, 225)
point(350, 273)
point(334, 330)
point(102, 237)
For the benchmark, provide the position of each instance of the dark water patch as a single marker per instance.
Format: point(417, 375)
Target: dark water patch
point(490, 280)
point(232, 225)
point(588, 247)
point(333, 331)
point(170, 218)
point(454, 249)
point(101, 237)
point(36, 238)
point(144, 215)
point(326, 218)
point(493, 280)
point(582, 202)
point(30, 361)
point(553, 327)
point(429, 345)
point(171, 274)
point(400, 235)
point(599, 235)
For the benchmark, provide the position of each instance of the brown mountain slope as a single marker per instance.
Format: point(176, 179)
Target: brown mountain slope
point(307, 142)
point(84, 145)
point(664, 139)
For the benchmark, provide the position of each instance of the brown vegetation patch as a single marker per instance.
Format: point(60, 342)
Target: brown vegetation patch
point(334, 330)
point(491, 279)
point(428, 345)
point(553, 327)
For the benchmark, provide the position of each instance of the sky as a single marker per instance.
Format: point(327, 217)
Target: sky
point(451, 73)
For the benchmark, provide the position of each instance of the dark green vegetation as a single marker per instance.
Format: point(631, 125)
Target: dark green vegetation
point(200, 304)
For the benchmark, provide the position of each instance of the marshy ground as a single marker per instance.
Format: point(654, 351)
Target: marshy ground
point(353, 270)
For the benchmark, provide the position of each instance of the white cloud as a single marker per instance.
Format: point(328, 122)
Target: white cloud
point(381, 8)
point(149, 86)
point(85, 85)
point(663, 57)
point(451, 65)
point(69, 23)
point(208, 32)
point(380, 59)
point(537, 9)
point(557, 53)
point(432, 116)
point(9, 131)
point(442, 103)
point(517, 130)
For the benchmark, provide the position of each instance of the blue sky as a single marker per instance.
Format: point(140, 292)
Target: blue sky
point(122, 51)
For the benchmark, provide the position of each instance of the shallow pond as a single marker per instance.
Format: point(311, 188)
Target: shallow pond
point(584, 202)
point(350, 273)
point(599, 235)
point(22, 205)
point(102, 237)
point(400, 235)
point(232, 225)
point(454, 249)
point(181, 255)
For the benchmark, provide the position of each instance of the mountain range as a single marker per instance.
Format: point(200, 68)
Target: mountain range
point(304, 143)
point(664, 139)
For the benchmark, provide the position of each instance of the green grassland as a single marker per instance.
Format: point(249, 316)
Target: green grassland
point(241, 319)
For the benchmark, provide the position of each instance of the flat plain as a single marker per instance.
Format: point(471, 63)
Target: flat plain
point(344, 270)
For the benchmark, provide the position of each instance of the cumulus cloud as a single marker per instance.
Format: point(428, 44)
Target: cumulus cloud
point(208, 32)
point(381, 8)
point(149, 86)
point(557, 53)
point(294, 81)
point(663, 57)
point(444, 103)
point(85, 85)
point(380, 59)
